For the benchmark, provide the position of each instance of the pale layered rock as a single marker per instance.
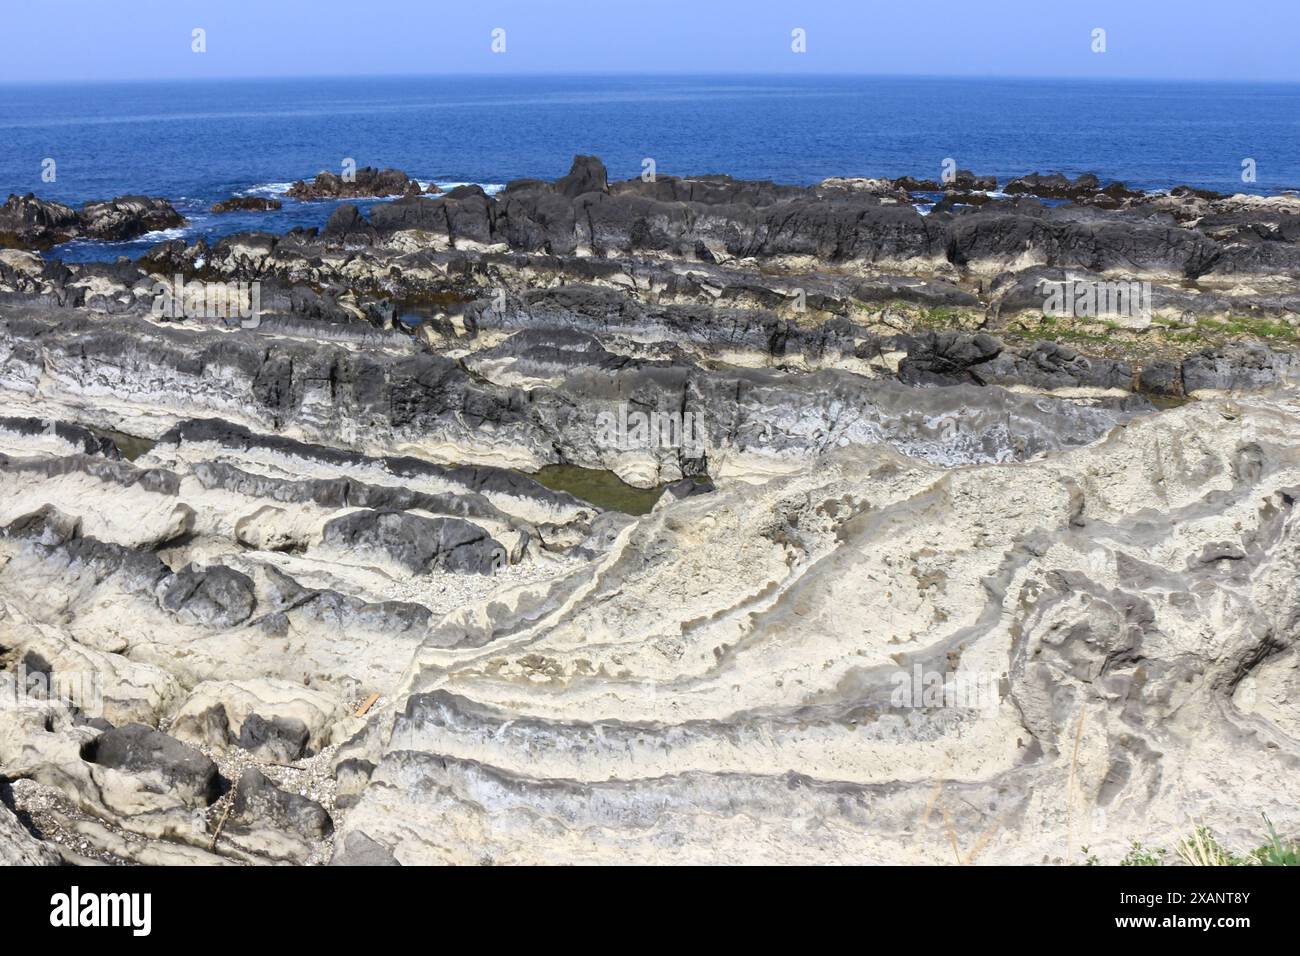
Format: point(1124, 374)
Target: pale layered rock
point(756, 720)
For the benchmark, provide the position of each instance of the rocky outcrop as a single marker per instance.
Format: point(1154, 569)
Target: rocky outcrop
point(217, 596)
point(884, 188)
point(948, 358)
point(366, 181)
point(30, 223)
point(160, 761)
point(246, 204)
point(272, 824)
point(741, 418)
point(359, 850)
point(719, 219)
point(284, 720)
point(1058, 368)
point(418, 545)
point(280, 739)
point(1085, 188)
point(1234, 368)
point(586, 176)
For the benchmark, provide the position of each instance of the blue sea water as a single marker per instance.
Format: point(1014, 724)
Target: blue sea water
point(197, 142)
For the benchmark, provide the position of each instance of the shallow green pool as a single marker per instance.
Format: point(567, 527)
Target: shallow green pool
point(604, 489)
point(131, 446)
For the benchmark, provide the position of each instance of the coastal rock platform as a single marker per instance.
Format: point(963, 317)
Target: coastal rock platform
point(693, 520)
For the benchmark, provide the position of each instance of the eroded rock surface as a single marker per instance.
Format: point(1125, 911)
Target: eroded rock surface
point(693, 520)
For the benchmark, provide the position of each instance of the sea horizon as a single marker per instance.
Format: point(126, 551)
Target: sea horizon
point(661, 74)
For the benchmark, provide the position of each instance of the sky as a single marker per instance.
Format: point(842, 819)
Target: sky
point(98, 40)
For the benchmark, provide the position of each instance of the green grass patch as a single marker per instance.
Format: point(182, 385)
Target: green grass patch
point(1202, 848)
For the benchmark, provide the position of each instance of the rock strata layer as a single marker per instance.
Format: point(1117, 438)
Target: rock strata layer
point(694, 520)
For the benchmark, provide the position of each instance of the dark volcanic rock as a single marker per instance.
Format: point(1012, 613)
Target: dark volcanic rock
point(417, 543)
point(587, 175)
point(484, 479)
point(950, 358)
point(1050, 366)
point(954, 201)
point(1086, 188)
point(1098, 245)
point(280, 739)
point(426, 215)
point(256, 797)
point(945, 358)
point(127, 217)
point(348, 225)
point(1161, 378)
point(542, 352)
point(908, 184)
point(246, 204)
point(368, 182)
point(213, 597)
point(714, 190)
point(259, 805)
point(717, 219)
point(853, 226)
point(1054, 185)
point(966, 180)
point(77, 435)
point(688, 488)
point(163, 762)
point(30, 223)
point(47, 525)
point(1238, 366)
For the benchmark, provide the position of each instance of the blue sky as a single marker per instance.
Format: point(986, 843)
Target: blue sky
point(73, 40)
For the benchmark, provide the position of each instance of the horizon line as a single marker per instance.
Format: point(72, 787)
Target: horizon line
point(650, 74)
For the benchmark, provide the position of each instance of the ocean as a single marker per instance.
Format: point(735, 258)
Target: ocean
point(198, 142)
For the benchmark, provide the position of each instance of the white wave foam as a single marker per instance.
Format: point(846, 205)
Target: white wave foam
point(267, 189)
point(277, 190)
point(490, 188)
point(162, 235)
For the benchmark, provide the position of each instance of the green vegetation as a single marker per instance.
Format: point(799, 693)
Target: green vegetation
point(1050, 327)
point(1275, 852)
point(1165, 337)
point(1139, 855)
point(1202, 848)
point(909, 316)
point(1234, 327)
point(939, 317)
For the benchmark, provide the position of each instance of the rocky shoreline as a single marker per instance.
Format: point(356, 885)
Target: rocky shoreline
point(326, 601)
